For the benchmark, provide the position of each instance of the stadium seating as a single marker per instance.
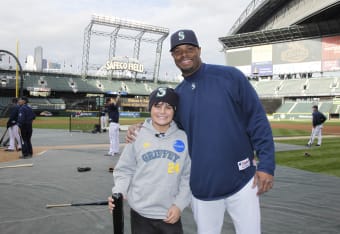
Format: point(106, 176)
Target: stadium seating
point(134, 88)
point(293, 87)
point(267, 88)
point(302, 107)
point(317, 87)
point(325, 107)
point(105, 85)
point(335, 108)
point(283, 96)
point(285, 107)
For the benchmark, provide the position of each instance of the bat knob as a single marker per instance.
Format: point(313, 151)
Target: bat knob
point(117, 196)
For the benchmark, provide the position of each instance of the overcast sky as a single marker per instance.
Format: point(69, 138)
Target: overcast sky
point(58, 26)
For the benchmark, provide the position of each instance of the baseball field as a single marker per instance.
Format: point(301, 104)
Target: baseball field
point(323, 159)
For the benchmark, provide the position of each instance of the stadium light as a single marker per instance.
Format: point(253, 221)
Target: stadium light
point(118, 28)
point(20, 68)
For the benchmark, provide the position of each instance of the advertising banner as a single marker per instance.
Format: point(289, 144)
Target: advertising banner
point(262, 68)
point(331, 53)
point(297, 51)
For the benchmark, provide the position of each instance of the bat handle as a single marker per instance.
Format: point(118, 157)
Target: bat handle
point(118, 214)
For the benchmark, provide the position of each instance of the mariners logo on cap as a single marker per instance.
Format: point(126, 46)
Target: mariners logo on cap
point(161, 92)
point(181, 36)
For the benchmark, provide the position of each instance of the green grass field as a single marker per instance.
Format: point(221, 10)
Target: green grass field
point(324, 159)
point(284, 132)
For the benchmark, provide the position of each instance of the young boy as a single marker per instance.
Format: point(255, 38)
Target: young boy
point(153, 172)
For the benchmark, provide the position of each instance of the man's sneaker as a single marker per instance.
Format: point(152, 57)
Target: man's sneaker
point(9, 150)
point(108, 154)
point(309, 145)
point(318, 145)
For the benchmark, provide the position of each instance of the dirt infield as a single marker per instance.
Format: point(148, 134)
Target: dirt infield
point(38, 150)
point(327, 129)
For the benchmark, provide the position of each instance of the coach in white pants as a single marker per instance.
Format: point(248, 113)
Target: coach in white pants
point(318, 119)
point(113, 113)
point(13, 129)
point(114, 138)
point(14, 137)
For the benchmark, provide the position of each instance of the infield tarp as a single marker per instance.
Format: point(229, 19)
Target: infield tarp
point(300, 202)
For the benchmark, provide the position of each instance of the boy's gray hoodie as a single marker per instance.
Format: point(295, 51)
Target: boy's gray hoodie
point(153, 172)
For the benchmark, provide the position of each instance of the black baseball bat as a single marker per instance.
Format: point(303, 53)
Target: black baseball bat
point(98, 203)
point(3, 136)
point(118, 214)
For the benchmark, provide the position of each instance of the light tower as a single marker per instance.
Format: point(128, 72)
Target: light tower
point(123, 29)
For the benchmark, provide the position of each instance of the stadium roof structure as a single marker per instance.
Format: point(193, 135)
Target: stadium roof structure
point(121, 29)
point(256, 25)
point(259, 11)
point(291, 33)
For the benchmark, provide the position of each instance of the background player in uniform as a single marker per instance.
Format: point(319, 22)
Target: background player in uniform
point(12, 125)
point(113, 114)
point(103, 116)
point(153, 172)
point(318, 119)
point(227, 128)
point(25, 120)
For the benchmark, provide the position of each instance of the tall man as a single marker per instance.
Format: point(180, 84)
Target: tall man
point(14, 138)
point(226, 124)
point(25, 120)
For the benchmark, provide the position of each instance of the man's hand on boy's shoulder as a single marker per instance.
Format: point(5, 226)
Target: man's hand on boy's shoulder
point(132, 132)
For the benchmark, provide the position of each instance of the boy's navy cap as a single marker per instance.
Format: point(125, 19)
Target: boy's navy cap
point(181, 37)
point(163, 94)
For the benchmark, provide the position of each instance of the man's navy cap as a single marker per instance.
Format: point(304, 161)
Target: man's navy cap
point(181, 37)
point(163, 94)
